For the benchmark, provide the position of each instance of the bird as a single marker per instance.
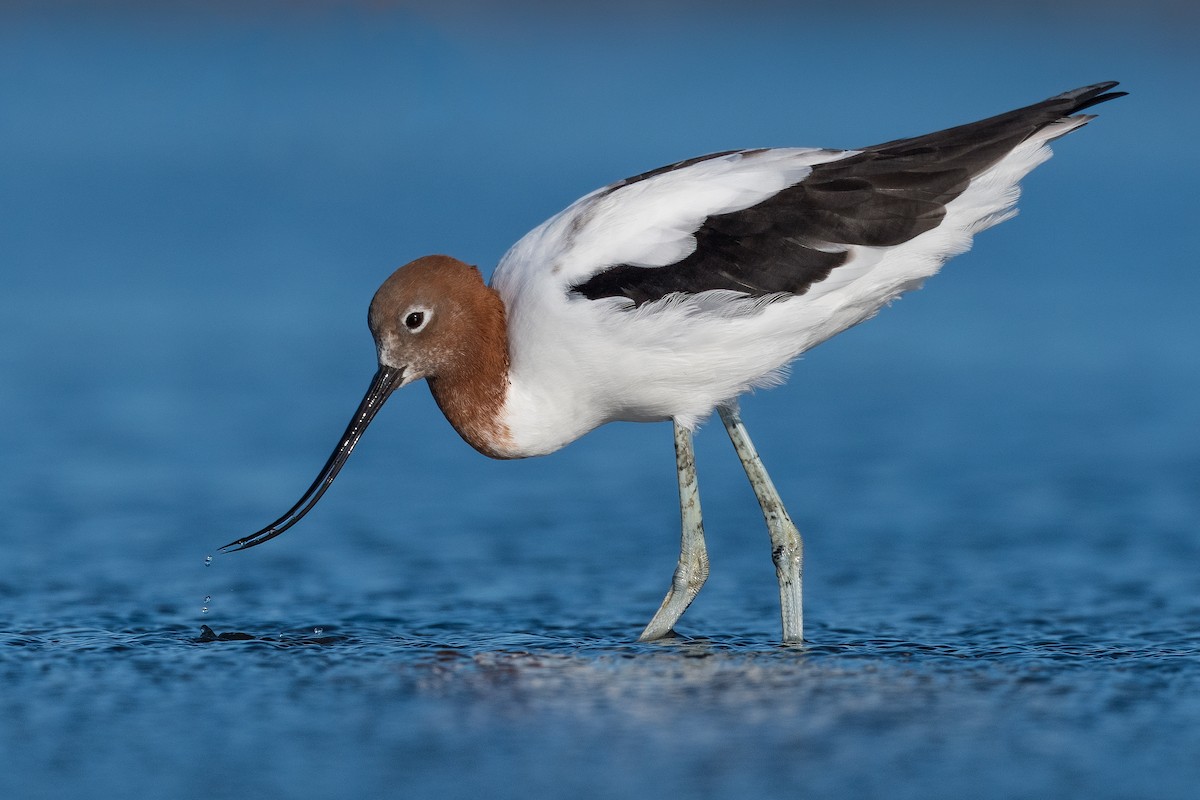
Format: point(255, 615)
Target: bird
point(669, 294)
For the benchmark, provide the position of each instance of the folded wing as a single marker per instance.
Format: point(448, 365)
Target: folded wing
point(778, 221)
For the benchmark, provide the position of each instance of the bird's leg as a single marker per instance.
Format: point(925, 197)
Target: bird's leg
point(787, 548)
point(692, 570)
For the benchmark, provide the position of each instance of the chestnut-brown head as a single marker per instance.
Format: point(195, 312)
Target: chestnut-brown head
point(436, 319)
point(423, 315)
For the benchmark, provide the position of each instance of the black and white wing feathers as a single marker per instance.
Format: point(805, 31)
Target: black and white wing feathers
point(779, 221)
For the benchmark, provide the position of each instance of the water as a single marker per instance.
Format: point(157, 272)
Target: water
point(998, 479)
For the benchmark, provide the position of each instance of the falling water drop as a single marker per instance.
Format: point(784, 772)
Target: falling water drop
point(318, 631)
point(208, 561)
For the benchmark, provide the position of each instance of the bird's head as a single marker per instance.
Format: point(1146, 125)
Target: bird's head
point(419, 314)
point(417, 317)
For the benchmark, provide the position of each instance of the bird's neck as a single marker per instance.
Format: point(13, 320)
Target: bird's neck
point(472, 389)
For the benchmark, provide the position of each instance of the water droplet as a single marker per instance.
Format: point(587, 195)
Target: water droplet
point(203, 609)
point(318, 631)
point(208, 561)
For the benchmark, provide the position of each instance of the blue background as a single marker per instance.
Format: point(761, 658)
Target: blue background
point(998, 478)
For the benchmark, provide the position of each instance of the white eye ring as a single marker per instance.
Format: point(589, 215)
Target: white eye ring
point(416, 318)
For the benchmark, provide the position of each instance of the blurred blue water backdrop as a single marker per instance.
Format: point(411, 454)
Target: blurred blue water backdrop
point(998, 478)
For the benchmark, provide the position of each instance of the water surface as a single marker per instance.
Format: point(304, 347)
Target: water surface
point(998, 479)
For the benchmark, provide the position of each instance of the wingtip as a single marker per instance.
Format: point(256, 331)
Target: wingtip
point(1088, 96)
point(1091, 90)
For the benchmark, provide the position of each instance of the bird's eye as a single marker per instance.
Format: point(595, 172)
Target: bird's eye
point(414, 320)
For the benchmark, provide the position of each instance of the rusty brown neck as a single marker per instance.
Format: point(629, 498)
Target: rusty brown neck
point(472, 388)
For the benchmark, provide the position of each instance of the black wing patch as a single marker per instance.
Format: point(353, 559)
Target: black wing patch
point(884, 195)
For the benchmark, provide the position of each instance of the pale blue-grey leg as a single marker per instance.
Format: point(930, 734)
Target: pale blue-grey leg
point(787, 548)
point(692, 570)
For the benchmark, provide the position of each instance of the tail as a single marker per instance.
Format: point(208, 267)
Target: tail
point(971, 175)
point(998, 135)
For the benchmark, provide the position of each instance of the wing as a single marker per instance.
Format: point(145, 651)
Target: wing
point(650, 221)
point(787, 222)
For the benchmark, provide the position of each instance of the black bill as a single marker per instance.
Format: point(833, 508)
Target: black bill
point(384, 383)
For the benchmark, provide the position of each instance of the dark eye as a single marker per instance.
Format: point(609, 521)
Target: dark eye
point(414, 320)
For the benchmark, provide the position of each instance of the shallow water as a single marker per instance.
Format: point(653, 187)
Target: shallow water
point(998, 479)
